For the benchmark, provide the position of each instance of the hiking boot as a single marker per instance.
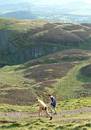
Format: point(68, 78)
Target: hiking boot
point(55, 113)
point(50, 117)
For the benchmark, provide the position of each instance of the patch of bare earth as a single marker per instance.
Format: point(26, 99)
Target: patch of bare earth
point(87, 86)
point(17, 96)
point(48, 72)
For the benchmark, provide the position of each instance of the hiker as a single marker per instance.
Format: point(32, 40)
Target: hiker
point(53, 103)
point(43, 107)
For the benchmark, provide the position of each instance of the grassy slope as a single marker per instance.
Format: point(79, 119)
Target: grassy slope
point(19, 25)
point(9, 76)
point(13, 79)
point(69, 84)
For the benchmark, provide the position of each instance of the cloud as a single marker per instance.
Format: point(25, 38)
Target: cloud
point(75, 6)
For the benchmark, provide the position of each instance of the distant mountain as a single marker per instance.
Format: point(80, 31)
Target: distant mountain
point(19, 15)
point(51, 16)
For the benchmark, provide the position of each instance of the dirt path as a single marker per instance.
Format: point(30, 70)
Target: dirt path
point(76, 111)
point(62, 116)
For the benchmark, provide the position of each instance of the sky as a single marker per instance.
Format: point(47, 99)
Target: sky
point(77, 6)
point(61, 2)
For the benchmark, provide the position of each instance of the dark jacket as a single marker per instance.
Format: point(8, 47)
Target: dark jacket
point(53, 101)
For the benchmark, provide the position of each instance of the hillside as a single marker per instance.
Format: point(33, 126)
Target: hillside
point(38, 58)
point(25, 40)
point(41, 57)
point(56, 73)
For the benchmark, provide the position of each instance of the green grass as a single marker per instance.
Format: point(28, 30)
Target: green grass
point(9, 76)
point(71, 104)
point(19, 25)
point(85, 74)
point(69, 85)
point(68, 104)
point(42, 124)
point(17, 108)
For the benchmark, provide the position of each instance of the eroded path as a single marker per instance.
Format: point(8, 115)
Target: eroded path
point(64, 115)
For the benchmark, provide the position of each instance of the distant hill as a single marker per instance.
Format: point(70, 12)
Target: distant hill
point(66, 18)
point(19, 15)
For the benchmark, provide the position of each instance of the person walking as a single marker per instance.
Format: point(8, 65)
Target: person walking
point(53, 103)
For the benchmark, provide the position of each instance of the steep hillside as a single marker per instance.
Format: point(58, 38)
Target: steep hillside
point(21, 41)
